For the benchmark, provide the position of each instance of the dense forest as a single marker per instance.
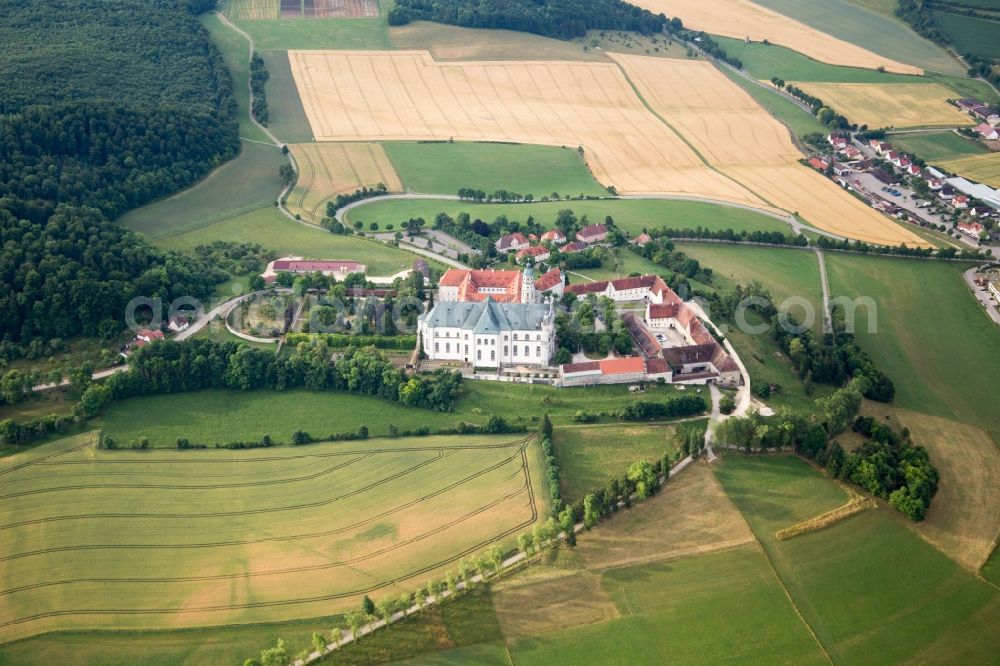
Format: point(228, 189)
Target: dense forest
point(105, 107)
point(563, 19)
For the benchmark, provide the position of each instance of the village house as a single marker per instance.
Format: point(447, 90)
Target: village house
point(981, 211)
point(536, 253)
point(642, 239)
point(594, 233)
point(489, 334)
point(971, 229)
point(575, 246)
point(551, 283)
point(960, 202)
point(178, 324)
point(913, 170)
point(838, 141)
point(850, 153)
point(819, 163)
point(988, 132)
point(515, 241)
point(841, 170)
point(146, 335)
point(934, 184)
point(880, 147)
point(554, 236)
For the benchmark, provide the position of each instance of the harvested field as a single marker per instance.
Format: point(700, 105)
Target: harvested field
point(253, 10)
point(526, 607)
point(691, 516)
point(329, 169)
point(741, 19)
point(406, 95)
point(735, 135)
point(983, 168)
point(96, 539)
point(891, 105)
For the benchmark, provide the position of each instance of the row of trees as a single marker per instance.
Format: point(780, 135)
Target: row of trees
point(862, 247)
point(167, 367)
point(662, 252)
point(742, 236)
point(344, 199)
point(674, 407)
point(258, 80)
point(563, 19)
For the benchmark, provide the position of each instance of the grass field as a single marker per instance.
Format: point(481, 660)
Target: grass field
point(408, 96)
point(925, 313)
point(969, 34)
point(276, 232)
point(630, 214)
point(451, 42)
point(887, 36)
point(983, 168)
point(286, 117)
point(891, 105)
point(937, 146)
point(744, 19)
point(964, 519)
point(590, 456)
point(330, 33)
point(799, 121)
point(236, 52)
point(249, 182)
point(164, 418)
point(443, 168)
point(252, 536)
point(329, 169)
point(681, 611)
point(850, 582)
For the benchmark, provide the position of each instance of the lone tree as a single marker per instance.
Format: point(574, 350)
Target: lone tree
point(368, 606)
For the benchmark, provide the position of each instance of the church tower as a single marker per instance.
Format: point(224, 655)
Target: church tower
point(528, 285)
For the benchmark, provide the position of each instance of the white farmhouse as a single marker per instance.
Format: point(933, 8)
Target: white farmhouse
point(489, 334)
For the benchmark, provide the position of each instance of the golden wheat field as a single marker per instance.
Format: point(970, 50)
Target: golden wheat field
point(253, 10)
point(891, 105)
point(329, 169)
point(406, 95)
point(739, 138)
point(983, 168)
point(740, 19)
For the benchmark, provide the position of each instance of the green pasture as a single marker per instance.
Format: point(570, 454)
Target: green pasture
point(327, 33)
point(444, 167)
point(691, 610)
point(276, 232)
point(632, 215)
point(867, 585)
point(236, 52)
point(287, 116)
point(932, 337)
point(933, 146)
point(591, 455)
point(249, 182)
point(874, 31)
point(798, 120)
point(969, 34)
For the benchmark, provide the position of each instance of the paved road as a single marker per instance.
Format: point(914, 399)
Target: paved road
point(982, 296)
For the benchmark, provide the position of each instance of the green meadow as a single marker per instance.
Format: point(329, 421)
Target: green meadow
point(632, 215)
point(798, 120)
point(937, 145)
point(327, 33)
point(868, 586)
point(932, 337)
point(287, 117)
point(444, 167)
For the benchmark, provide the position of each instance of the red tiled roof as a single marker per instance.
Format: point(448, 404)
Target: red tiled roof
point(549, 280)
point(510, 239)
point(623, 366)
point(535, 251)
point(652, 282)
point(553, 234)
point(469, 282)
point(663, 311)
point(657, 366)
point(642, 239)
point(591, 231)
point(575, 246)
point(586, 366)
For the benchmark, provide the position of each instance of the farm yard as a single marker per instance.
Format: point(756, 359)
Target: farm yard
point(252, 536)
point(742, 19)
point(706, 109)
point(984, 168)
point(891, 105)
point(406, 96)
point(329, 169)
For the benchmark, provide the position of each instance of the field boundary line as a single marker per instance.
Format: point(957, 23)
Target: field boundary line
point(697, 152)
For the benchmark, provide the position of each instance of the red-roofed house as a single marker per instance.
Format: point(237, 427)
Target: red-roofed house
point(650, 288)
point(554, 236)
point(538, 253)
point(608, 371)
point(913, 170)
point(971, 229)
point(662, 315)
point(551, 283)
point(146, 335)
point(988, 132)
point(838, 141)
point(575, 246)
point(820, 163)
point(642, 239)
point(935, 184)
point(594, 233)
point(514, 241)
point(335, 268)
point(961, 201)
point(851, 153)
point(881, 147)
